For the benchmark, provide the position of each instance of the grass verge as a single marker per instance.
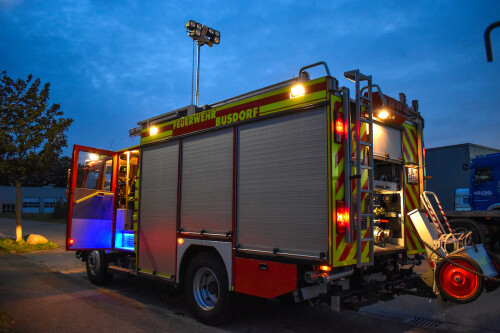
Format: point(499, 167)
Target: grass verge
point(6, 323)
point(11, 246)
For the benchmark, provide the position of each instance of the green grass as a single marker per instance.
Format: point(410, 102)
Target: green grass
point(41, 217)
point(11, 246)
point(6, 323)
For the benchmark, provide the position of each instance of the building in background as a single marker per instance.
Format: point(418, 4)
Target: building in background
point(35, 199)
point(449, 168)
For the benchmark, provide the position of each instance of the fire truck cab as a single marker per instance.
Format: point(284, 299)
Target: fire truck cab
point(302, 187)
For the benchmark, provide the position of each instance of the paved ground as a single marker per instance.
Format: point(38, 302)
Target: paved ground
point(49, 291)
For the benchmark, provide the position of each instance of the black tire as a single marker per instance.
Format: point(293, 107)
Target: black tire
point(464, 226)
point(97, 268)
point(207, 289)
point(456, 284)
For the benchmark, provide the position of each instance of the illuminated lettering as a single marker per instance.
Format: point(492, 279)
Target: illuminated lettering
point(234, 117)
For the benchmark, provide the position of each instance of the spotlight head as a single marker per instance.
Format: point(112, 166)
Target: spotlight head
point(215, 40)
point(190, 25)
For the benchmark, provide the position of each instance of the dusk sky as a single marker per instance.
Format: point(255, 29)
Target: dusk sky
point(114, 63)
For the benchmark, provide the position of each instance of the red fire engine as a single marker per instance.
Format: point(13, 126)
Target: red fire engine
point(300, 187)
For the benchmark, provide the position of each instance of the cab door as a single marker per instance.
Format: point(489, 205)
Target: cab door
point(91, 200)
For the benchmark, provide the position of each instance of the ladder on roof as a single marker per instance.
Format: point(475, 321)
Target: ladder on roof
point(356, 166)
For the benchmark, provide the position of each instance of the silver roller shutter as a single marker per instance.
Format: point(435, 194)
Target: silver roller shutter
point(387, 142)
point(158, 209)
point(282, 184)
point(207, 182)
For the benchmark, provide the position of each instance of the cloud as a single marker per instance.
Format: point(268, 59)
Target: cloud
point(112, 64)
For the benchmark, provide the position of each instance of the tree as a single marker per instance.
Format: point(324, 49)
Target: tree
point(31, 133)
point(55, 176)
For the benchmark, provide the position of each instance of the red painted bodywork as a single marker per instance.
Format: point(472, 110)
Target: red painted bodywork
point(252, 279)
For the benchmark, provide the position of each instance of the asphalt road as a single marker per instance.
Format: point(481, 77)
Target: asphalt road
point(49, 291)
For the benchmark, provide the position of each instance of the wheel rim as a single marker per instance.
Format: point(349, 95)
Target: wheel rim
point(456, 281)
point(206, 288)
point(93, 262)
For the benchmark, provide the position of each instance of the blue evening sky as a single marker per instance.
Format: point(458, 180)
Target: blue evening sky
point(114, 63)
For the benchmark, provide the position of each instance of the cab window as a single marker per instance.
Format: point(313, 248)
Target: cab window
point(483, 175)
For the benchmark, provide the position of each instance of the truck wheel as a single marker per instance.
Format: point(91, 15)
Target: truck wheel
point(457, 284)
point(97, 268)
point(207, 289)
point(464, 226)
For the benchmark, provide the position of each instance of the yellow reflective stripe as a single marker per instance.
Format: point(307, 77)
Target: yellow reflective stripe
point(162, 135)
point(411, 132)
point(331, 204)
point(293, 102)
point(409, 157)
point(413, 196)
point(269, 94)
point(266, 109)
point(100, 193)
point(255, 98)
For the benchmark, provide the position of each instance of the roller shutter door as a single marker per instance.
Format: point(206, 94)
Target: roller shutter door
point(158, 209)
point(282, 184)
point(207, 182)
point(387, 142)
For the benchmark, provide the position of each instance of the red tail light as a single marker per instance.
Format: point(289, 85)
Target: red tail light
point(342, 217)
point(338, 127)
point(71, 241)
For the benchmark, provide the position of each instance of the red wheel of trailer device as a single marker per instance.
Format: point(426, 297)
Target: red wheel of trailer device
point(456, 283)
